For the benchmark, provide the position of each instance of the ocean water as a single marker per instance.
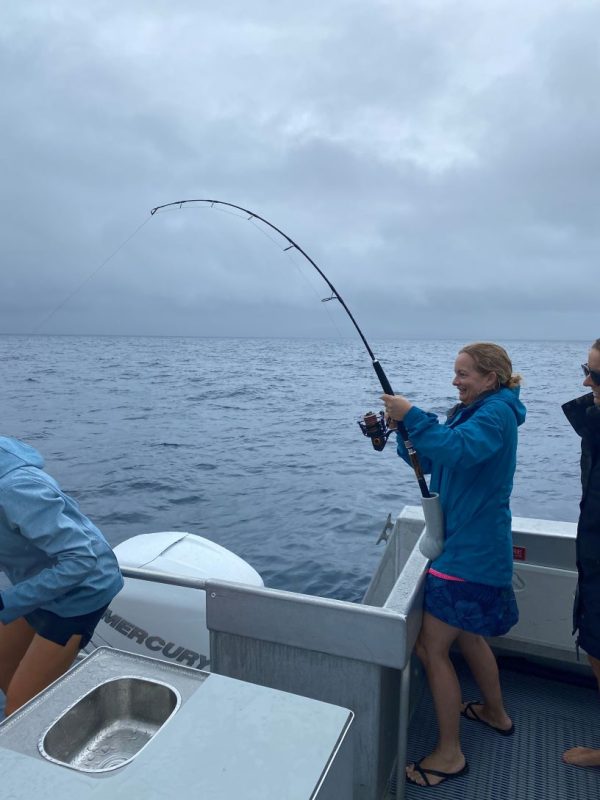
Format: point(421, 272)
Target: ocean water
point(254, 443)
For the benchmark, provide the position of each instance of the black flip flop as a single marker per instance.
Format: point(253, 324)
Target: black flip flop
point(437, 773)
point(469, 713)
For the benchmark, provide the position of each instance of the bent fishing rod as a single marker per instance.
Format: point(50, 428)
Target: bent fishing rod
point(374, 426)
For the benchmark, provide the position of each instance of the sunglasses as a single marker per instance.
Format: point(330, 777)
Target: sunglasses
point(591, 373)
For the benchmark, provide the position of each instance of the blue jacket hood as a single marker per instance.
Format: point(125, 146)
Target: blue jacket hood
point(508, 396)
point(511, 397)
point(15, 454)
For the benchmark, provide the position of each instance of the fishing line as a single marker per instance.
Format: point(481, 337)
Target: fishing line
point(373, 426)
point(90, 276)
point(287, 251)
point(291, 256)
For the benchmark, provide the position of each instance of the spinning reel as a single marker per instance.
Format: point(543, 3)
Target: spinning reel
point(376, 428)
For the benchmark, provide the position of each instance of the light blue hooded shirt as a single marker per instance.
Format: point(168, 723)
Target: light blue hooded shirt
point(53, 555)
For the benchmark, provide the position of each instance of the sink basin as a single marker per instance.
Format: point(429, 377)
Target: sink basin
point(107, 727)
point(105, 700)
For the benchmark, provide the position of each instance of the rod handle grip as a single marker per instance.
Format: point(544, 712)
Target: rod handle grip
point(414, 458)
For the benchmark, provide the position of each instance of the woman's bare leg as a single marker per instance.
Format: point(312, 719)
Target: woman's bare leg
point(43, 662)
point(585, 756)
point(15, 638)
point(482, 663)
point(433, 649)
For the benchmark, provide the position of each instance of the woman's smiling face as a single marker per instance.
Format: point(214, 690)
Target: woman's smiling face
point(469, 381)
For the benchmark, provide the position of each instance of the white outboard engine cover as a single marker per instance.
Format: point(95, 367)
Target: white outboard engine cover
point(161, 620)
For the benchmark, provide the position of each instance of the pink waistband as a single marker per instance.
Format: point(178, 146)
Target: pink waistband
point(443, 575)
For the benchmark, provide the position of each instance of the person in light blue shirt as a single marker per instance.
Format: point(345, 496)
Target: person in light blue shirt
point(468, 591)
point(63, 573)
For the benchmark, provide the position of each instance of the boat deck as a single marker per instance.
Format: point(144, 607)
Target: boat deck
point(550, 715)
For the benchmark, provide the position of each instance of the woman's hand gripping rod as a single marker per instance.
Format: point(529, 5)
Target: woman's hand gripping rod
point(375, 428)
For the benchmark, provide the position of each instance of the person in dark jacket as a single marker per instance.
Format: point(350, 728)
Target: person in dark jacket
point(468, 589)
point(62, 570)
point(584, 415)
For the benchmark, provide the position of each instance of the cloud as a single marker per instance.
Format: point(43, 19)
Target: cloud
point(439, 161)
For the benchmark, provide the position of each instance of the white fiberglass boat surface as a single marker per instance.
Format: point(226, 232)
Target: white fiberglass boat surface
point(163, 620)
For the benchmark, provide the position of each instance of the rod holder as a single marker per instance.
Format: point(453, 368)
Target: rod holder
point(431, 542)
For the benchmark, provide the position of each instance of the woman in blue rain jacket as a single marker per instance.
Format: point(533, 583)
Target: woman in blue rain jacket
point(468, 591)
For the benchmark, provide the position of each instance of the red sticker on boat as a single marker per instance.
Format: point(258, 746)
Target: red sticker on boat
point(519, 553)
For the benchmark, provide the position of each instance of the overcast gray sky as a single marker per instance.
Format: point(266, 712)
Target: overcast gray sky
point(439, 160)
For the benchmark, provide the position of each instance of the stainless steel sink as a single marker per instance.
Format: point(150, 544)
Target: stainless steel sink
point(107, 727)
point(102, 713)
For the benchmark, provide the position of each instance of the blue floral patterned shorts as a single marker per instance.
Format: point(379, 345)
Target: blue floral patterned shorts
point(474, 607)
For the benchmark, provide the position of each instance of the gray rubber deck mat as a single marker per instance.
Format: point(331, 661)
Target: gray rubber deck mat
point(549, 717)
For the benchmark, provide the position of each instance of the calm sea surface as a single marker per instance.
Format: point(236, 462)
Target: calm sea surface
point(254, 443)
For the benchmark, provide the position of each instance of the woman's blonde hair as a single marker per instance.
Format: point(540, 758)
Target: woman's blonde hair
point(490, 357)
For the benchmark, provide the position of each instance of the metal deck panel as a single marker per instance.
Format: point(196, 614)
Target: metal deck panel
point(549, 716)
